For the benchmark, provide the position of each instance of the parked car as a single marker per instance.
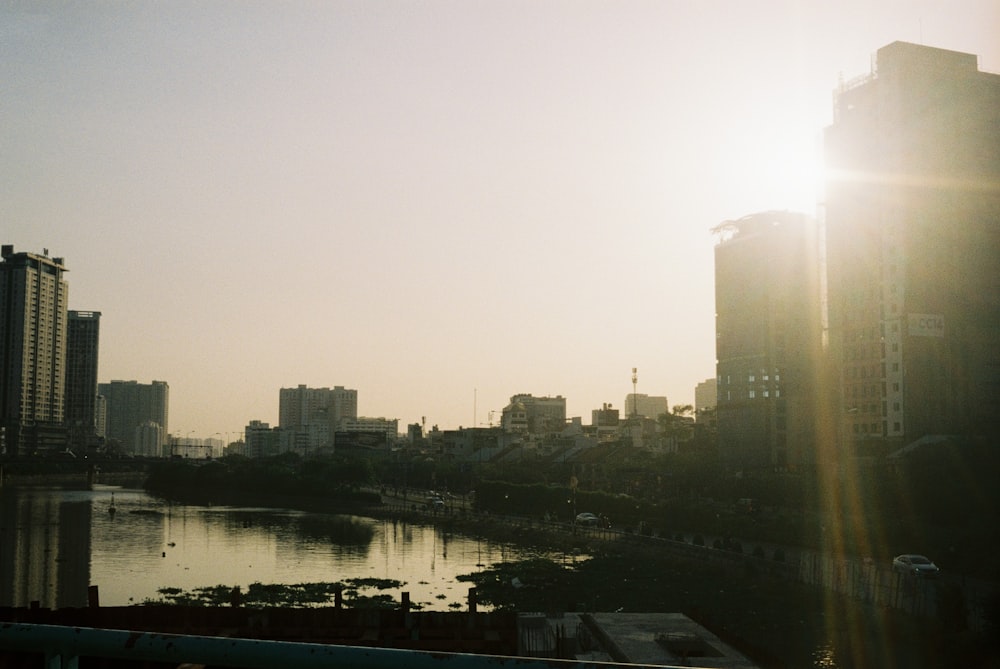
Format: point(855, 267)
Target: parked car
point(915, 565)
point(587, 519)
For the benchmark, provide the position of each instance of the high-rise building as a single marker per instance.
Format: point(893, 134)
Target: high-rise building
point(33, 313)
point(913, 247)
point(149, 440)
point(132, 407)
point(310, 417)
point(768, 340)
point(80, 415)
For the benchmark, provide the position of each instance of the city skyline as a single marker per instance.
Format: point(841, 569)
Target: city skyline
point(439, 204)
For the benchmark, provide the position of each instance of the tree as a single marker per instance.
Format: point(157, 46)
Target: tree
point(675, 426)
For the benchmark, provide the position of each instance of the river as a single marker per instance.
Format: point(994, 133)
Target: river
point(55, 543)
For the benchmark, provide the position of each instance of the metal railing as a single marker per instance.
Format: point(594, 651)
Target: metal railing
point(62, 647)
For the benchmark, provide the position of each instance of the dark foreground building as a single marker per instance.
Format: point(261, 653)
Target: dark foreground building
point(83, 338)
point(768, 340)
point(913, 247)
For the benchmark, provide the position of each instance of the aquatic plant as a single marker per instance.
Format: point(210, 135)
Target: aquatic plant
point(284, 595)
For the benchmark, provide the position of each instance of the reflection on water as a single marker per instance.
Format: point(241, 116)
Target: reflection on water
point(55, 543)
point(43, 540)
point(824, 658)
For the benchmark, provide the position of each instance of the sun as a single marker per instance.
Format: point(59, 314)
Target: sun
point(795, 175)
point(778, 168)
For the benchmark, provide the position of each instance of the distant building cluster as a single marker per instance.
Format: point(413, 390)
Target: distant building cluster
point(316, 421)
point(869, 327)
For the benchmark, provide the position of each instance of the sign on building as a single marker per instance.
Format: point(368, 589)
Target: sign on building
point(926, 325)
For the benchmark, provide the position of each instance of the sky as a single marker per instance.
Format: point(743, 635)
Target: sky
point(439, 204)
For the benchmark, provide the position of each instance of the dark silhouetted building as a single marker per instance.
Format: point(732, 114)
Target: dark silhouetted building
point(80, 415)
point(768, 328)
point(132, 408)
point(913, 247)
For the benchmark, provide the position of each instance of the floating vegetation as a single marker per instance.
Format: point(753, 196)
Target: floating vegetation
point(497, 585)
point(274, 594)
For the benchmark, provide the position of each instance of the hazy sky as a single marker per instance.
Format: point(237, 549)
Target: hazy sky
point(439, 204)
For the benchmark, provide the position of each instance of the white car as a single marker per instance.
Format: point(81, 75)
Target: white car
point(587, 519)
point(915, 565)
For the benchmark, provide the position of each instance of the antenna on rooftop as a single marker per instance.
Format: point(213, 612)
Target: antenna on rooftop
point(635, 397)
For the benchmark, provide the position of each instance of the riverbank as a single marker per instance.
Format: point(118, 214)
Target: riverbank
point(776, 622)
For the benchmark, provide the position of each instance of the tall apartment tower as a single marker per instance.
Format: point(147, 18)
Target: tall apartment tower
point(315, 414)
point(768, 326)
point(913, 247)
point(33, 313)
point(131, 408)
point(80, 414)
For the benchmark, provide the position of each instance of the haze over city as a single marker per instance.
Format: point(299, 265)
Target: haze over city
point(439, 204)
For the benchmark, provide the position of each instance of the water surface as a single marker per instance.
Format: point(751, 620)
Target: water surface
point(54, 543)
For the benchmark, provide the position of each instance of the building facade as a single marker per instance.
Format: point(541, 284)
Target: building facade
point(705, 396)
point(606, 421)
point(645, 406)
point(534, 415)
point(261, 440)
point(80, 415)
point(149, 441)
point(311, 416)
point(33, 323)
point(768, 340)
point(913, 248)
point(130, 405)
